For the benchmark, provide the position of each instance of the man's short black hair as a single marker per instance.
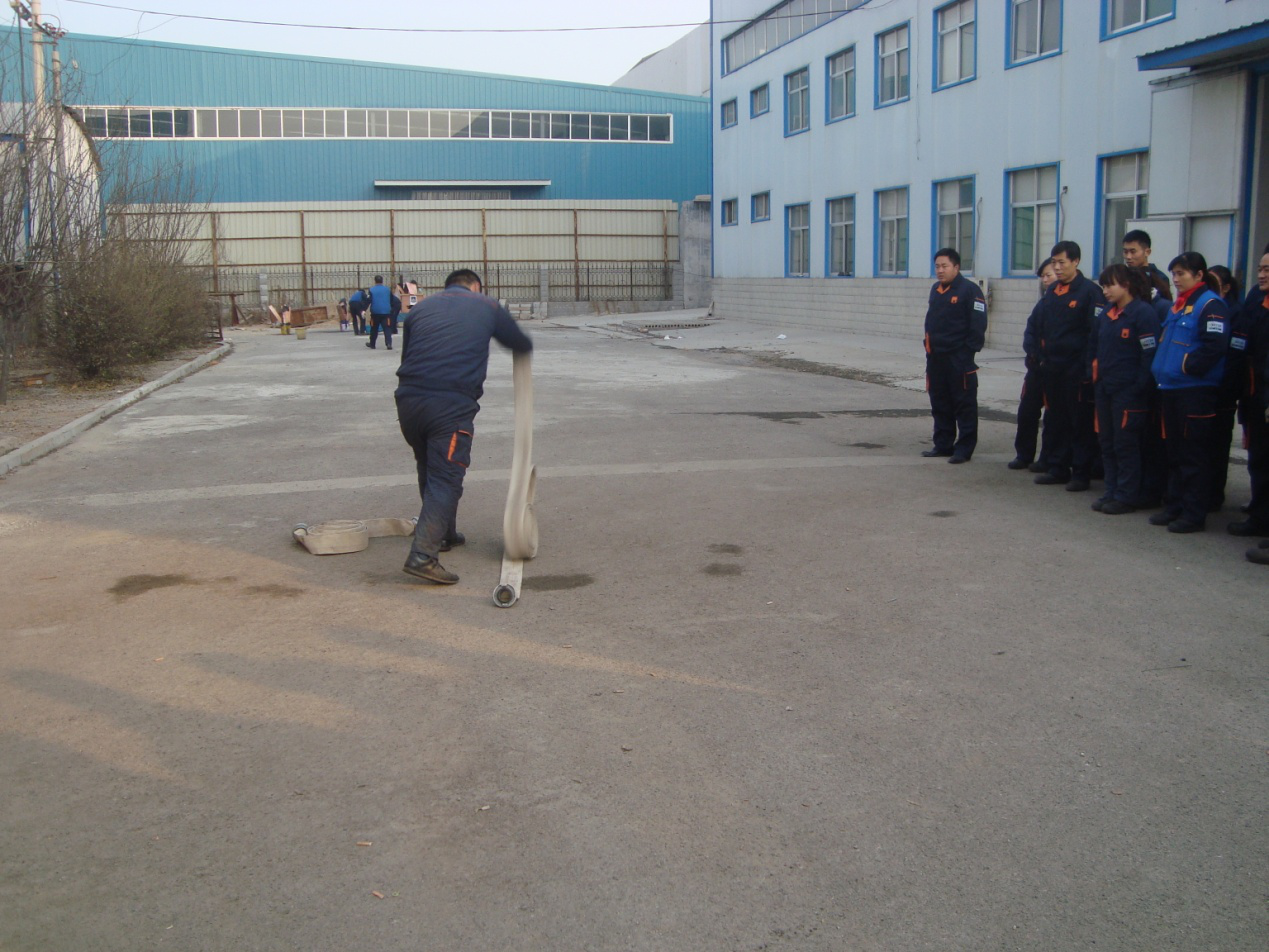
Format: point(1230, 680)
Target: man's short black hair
point(464, 276)
point(1068, 248)
point(951, 254)
point(1137, 237)
point(378, 279)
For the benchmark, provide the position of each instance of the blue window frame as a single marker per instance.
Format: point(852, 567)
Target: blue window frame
point(1032, 216)
point(955, 43)
point(728, 114)
point(1126, 16)
point(797, 101)
point(839, 249)
point(1033, 30)
point(760, 100)
point(890, 232)
point(729, 212)
point(953, 207)
point(797, 241)
point(1123, 190)
point(840, 98)
point(894, 68)
point(760, 206)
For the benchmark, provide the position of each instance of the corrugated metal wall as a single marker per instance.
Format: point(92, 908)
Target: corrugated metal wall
point(530, 250)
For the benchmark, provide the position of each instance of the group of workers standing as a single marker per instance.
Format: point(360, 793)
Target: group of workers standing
point(373, 310)
point(1136, 386)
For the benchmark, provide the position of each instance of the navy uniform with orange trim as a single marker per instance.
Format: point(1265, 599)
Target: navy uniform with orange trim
point(1125, 344)
point(1253, 321)
point(444, 360)
point(955, 330)
point(1189, 366)
point(1065, 325)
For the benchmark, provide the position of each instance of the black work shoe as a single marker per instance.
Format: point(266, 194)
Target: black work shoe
point(958, 459)
point(1184, 526)
point(429, 569)
point(1259, 555)
point(1099, 504)
point(1018, 463)
point(370, 345)
point(1162, 518)
point(1077, 486)
point(1246, 528)
point(389, 347)
point(935, 452)
point(455, 540)
point(1114, 507)
point(1037, 467)
point(1048, 479)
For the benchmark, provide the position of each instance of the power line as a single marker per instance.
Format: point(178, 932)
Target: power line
point(394, 29)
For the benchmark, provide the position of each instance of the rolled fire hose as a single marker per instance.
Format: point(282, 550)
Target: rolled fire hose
point(341, 536)
point(519, 522)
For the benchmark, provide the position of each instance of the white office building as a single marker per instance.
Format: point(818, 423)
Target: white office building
point(853, 138)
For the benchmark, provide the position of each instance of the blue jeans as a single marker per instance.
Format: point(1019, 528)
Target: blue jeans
point(439, 428)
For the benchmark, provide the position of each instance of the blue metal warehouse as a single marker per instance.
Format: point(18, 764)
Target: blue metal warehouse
point(273, 127)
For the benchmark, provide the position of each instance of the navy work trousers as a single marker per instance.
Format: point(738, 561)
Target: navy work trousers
point(1256, 436)
point(1123, 419)
point(439, 428)
point(1189, 416)
point(1072, 444)
point(378, 321)
point(952, 382)
point(1030, 406)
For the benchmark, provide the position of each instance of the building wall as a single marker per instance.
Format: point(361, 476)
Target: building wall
point(103, 71)
point(682, 67)
point(1070, 109)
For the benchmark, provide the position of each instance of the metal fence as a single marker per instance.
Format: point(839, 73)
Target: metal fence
point(254, 287)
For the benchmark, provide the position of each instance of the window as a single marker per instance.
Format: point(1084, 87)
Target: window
point(760, 207)
point(1035, 29)
point(797, 101)
point(954, 57)
point(137, 122)
point(892, 66)
point(892, 232)
point(778, 26)
point(841, 237)
point(841, 84)
point(954, 207)
point(760, 100)
point(1119, 16)
point(729, 211)
point(1124, 182)
point(729, 113)
point(1033, 217)
point(797, 241)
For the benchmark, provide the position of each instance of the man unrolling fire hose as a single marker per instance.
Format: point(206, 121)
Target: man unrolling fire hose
point(444, 361)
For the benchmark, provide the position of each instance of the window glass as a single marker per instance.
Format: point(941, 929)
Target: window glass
point(841, 236)
point(206, 123)
point(841, 84)
point(760, 100)
point(956, 42)
point(581, 126)
point(1125, 181)
point(760, 206)
point(619, 128)
point(271, 123)
point(227, 123)
point(162, 120)
point(480, 125)
point(248, 123)
point(418, 124)
point(956, 219)
point(1036, 26)
point(541, 125)
point(1032, 216)
point(293, 123)
point(797, 101)
point(139, 123)
point(438, 124)
point(798, 240)
point(599, 127)
point(659, 128)
point(314, 123)
point(728, 216)
point(356, 122)
point(892, 221)
point(729, 113)
point(559, 125)
point(398, 123)
point(892, 66)
point(520, 125)
point(638, 128)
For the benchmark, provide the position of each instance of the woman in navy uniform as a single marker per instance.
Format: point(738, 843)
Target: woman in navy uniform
point(1189, 366)
point(1125, 336)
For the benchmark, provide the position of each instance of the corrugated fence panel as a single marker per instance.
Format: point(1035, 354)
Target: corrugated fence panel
point(529, 221)
point(439, 248)
point(620, 249)
point(271, 251)
point(541, 248)
point(352, 223)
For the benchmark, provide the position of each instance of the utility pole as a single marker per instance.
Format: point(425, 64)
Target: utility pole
point(37, 53)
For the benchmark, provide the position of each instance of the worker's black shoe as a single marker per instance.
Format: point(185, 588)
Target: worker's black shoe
point(1247, 528)
point(370, 345)
point(1184, 526)
point(1259, 554)
point(1077, 486)
point(1163, 518)
point(1018, 463)
point(429, 569)
point(1048, 479)
point(456, 539)
point(957, 458)
point(1038, 467)
point(1098, 504)
point(935, 452)
point(1113, 507)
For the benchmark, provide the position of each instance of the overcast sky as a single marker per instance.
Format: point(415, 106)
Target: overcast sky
point(589, 57)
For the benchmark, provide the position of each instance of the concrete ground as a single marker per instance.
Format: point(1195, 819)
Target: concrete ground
point(775, 681)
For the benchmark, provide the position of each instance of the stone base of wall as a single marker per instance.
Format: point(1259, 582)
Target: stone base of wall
point(584, 308)
point(882, 307)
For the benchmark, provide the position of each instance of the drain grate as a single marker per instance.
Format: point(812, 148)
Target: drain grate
point(648, 327)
